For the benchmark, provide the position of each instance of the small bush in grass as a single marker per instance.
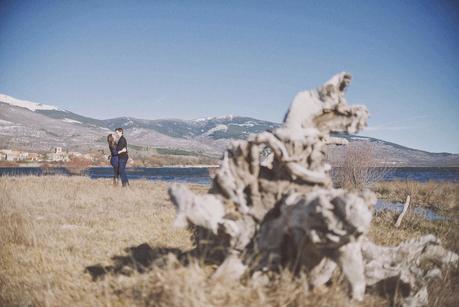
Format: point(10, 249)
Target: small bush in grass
point(358, 169)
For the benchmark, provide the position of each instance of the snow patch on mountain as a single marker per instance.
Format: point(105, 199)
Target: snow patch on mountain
point(5, 122)
point(229, 117)
point(359, 138)
point(217, 128)
point(72, 121)
point(203, 119)
point(32, 106)
point(246, 124)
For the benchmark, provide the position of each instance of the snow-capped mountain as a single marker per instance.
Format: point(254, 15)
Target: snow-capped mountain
point(32, 106)
point(221, 127)
point(38, 127)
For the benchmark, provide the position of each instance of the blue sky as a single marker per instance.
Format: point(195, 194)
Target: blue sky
point(190, 59)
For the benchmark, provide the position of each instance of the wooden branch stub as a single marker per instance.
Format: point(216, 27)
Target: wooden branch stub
point(405, 209)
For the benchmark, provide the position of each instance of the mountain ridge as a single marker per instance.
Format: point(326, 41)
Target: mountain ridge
point(44, 126)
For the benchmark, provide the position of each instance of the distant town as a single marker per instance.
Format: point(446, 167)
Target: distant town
point(57, 155)
point(74, 160)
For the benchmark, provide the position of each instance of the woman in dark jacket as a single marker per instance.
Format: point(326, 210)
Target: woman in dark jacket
point(112, 142)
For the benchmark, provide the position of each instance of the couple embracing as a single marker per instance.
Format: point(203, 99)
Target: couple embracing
point(118, 155)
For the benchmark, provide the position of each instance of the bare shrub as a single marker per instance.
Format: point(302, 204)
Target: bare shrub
point(359, 168)
point(4, 163)
point(77, 165)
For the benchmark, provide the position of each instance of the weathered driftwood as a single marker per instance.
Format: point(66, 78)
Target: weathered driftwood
point(404, 211)
point(413, 263)
point(270, 211)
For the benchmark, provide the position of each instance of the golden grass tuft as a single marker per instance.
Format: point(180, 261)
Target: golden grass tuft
point(53, 228)
point(15, 224)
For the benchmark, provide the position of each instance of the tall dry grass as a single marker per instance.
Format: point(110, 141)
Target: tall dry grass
point(440, 196)
point(80, 242)
point(53, 227)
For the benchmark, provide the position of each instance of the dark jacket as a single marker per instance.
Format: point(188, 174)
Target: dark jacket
point(113, 151)
point(122, 143)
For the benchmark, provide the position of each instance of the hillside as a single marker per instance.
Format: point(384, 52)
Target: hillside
point(26, 125)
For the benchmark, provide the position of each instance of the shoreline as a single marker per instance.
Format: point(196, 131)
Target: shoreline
point(106, 166)
point(37, 165)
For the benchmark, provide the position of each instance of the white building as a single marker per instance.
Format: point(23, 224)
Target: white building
point(11, 155)
point(23, 156)
point(58, 155)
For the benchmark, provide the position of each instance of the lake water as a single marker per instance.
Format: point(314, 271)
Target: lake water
point(422, 173)
point(200, 175)
point(426, 213)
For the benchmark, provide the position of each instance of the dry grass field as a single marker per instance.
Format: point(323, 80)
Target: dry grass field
point(73, 241)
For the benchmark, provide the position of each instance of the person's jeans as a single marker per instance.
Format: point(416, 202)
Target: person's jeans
point(114, 161)
point(122, 171)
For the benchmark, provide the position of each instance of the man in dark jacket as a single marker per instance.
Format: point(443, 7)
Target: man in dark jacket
point(123, 157)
